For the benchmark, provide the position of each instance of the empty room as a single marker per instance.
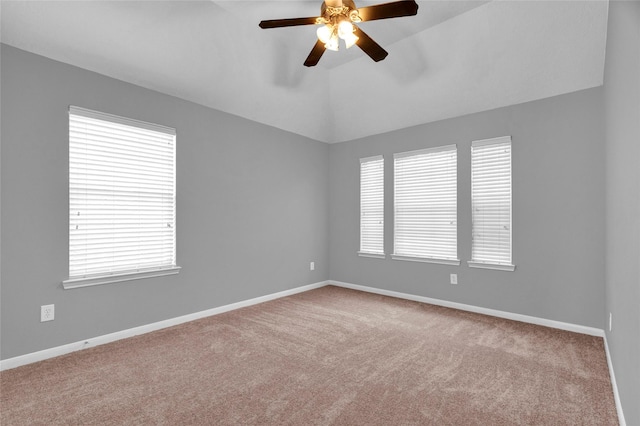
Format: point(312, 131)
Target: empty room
point(320, 213)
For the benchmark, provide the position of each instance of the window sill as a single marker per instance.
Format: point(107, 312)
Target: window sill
point(372, 255)
point(455, 262)
point(116, 278)
point(494, 266)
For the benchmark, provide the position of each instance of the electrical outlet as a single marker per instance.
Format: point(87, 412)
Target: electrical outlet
point(312, 266)
point(454, 278)
point(47, 313)
point(610, 320)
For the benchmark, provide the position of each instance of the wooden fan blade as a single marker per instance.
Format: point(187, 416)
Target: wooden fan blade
point(370, 47)
point(315, 55)
point(292, 22)
point(388, 10)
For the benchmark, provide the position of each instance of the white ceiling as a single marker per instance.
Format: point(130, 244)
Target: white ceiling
point(454, 58)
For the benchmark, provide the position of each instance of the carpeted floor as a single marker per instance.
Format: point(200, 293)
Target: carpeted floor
point(329, 356)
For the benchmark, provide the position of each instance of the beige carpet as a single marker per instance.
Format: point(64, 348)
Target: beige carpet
point(329, 356)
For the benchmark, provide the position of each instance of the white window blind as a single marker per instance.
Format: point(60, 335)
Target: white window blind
point(121, 197)
point(372, 206)
point(491, 203)
point(425, 203)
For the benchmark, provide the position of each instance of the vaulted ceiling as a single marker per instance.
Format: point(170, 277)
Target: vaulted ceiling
point(453, 58)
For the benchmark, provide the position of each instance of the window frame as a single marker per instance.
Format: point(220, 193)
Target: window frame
point(483, 264)
point(135, 273)
point(454, 260)
point(373, 254)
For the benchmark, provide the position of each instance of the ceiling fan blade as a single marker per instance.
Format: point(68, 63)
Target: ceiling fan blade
point(315, 55)
point(370, 47)
point(292, 22)
point(388, 10)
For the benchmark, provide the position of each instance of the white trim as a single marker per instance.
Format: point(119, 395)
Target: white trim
point(112, 337)
point(614, 385)
point(482, 143)
point(107, 338)
point(369, 159)
point(455, 262)
point(116, 278)
point(372, 205)
point(421, 178)
point(496, 266)
point(470, 308)
point(492, 141)
point(88, 113)
point(373, 255)
point(425, 151)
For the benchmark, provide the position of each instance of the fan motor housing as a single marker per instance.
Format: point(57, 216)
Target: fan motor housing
point(345, 3)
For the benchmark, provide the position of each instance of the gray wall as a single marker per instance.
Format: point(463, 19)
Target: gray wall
point(251, 208)
point(622, 130)
point(558, 211)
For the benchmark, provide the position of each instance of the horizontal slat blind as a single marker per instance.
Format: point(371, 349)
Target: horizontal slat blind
point(372, 205)
point(491, 201)
point(426, 203)
point(121, 195)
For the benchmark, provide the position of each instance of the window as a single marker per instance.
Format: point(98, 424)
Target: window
point(372, 207)
point(121, 199)
point(425, 203)
point(491, 204)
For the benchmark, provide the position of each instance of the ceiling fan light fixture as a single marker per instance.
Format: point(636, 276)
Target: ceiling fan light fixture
point(336, 21)
point(354, 16)
point(345, 28)
point(345, 32)
point(350, 40)
point(324, 33)
point(333, 43)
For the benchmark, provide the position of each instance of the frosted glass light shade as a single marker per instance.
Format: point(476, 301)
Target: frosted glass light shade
point(350, 40)
point(345, 28)
point(324, 33)
point(332, 44)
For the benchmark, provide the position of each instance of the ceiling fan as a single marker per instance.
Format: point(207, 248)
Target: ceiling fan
point(337, 18)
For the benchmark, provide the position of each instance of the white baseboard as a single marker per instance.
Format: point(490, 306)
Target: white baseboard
point(112, 337)
point(107, 338)
point(614, 384)
point(470, 308)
